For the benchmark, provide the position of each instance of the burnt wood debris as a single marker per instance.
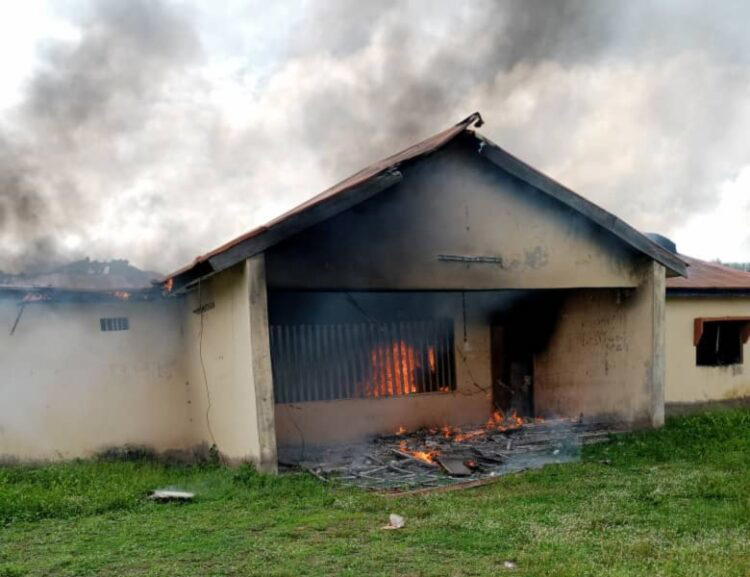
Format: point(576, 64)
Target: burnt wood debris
point(451, 455)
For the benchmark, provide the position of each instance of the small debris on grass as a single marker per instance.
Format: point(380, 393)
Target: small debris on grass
point(510, 565)
point(166, 495)
point(395, 522)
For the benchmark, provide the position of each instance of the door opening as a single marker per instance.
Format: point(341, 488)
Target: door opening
point(512, 370)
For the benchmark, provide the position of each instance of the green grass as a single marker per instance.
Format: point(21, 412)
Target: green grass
point(670, 502)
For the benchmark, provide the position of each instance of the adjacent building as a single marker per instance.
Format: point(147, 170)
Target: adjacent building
point(708, 328)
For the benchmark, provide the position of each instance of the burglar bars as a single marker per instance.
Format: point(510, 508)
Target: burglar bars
point(320, 362)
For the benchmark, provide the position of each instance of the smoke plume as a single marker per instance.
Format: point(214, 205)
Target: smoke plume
point(166, 128)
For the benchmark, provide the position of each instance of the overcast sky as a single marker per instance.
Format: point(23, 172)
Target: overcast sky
point(156, 130)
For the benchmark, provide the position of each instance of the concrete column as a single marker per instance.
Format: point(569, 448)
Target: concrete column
point(255, 276)
point(656, 283)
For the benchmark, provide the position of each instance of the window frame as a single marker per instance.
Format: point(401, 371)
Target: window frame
point(741, 332)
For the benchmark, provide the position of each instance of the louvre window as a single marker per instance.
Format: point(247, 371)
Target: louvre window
point(114, 324)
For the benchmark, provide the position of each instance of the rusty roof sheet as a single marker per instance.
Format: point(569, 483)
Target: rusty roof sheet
point(704, 275)
point(423, 148)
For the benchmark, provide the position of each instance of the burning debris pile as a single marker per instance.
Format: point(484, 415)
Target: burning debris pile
point(438, 457)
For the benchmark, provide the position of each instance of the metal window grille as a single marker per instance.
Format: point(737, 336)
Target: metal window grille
point(373, 360)
point(114, 324)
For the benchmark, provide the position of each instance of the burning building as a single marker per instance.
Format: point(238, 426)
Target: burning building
point(443, 283)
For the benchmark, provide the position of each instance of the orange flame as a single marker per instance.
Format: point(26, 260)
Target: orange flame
point(425, 456)
point(395, 367)
point(461, 437)
point(497, 421)
point(122, 295)
point(431, 358)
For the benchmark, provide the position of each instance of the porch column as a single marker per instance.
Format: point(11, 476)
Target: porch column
point(260, 355)
point(656, 285)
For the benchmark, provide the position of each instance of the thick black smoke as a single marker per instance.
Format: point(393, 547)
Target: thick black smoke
point(62, 156)
point(640, 105)
point(129, 143)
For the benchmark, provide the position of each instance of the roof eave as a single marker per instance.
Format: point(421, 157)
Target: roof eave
point(707, 292)
point(283, 229)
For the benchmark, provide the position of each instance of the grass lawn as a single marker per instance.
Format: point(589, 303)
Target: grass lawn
point(670, 502)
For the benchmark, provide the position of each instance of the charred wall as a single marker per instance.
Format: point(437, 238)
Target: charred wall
point(453, 204)
point(471, 313)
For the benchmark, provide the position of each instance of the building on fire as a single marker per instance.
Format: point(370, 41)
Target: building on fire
point(437, 285)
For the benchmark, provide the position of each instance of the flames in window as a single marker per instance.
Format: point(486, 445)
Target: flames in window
point(372, 360)
point(400, 369)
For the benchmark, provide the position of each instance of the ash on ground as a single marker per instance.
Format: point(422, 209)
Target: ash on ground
point(438, 457)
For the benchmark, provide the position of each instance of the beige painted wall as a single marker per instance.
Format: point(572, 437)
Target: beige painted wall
point(605, 358)
point(687, 382)
point(453, 204)
point(68, 390)
point(324, 422)
point(231, 388)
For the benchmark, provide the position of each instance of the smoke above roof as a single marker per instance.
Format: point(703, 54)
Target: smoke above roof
point(166, 128)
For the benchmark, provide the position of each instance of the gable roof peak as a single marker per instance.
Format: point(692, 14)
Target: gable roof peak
point(384, 174)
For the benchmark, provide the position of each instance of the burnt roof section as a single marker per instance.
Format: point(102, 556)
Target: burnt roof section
point(384, 174)
point(709, 278)
point(86, 276)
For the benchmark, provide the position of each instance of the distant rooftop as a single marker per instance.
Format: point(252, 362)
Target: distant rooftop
point(707, 276)
point(86, 276)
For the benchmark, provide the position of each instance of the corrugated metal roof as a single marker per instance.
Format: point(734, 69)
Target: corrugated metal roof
point(703, 275)
point(384, 174)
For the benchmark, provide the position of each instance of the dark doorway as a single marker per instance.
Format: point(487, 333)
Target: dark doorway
point(512, 371)
point(516, 336)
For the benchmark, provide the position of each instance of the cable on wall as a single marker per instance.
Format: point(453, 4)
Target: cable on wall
point(203, 364)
